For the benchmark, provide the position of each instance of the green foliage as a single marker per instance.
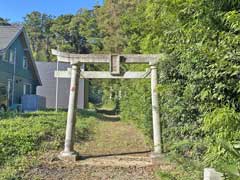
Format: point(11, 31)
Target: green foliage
point(198, 81)
point(109, 23)
point(222, 127)
point(71, 33)
point(38, 29)
point(135, 104)
point(95, 94)
point(223, 123)
point(24, 134)
point(179, 168)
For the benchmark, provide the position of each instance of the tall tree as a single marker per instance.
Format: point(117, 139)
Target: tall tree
point(109, 22)
point(86, 24)
point(62, 36)
point(38, 29)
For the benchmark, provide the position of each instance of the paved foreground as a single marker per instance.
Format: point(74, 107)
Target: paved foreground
point(116, 151)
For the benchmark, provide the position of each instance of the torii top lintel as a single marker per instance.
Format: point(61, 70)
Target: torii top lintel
point(106, 58)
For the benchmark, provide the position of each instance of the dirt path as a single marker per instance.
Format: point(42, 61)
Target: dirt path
point(116, 151)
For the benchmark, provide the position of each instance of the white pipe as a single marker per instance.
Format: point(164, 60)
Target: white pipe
point(57, 82)
point(14, 75)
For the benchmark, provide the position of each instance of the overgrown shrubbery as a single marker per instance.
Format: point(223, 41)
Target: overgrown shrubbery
point(135, 105)
point(198, 80)
point(222, 127)
point(26, 133)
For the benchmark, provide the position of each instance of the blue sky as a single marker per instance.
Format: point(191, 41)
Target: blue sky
point(15, 10)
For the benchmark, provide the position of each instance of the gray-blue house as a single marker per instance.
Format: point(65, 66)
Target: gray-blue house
point(18, 73)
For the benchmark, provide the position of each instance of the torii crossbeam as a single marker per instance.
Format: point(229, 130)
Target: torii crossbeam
point(114, 72)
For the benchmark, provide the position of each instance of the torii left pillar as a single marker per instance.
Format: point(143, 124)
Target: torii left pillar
point(69, 154)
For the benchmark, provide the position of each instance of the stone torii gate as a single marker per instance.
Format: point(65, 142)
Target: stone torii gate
point(114, 72)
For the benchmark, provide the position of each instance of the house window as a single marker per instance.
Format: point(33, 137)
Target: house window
point(9, 91)
point(11, 56)
point(27, 89)
point(5, 56)
point(3, 94)
point(25, 62)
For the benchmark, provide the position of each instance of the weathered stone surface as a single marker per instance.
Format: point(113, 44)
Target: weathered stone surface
point(212, 174)
point(157, 158)
point(155, 111)
point(69, 152)
point(114, 66)
point(69, 156)
point(104, 75)
point(106, 58)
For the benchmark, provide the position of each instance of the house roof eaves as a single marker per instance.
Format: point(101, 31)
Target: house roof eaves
point(31, 55)
point(22, 30)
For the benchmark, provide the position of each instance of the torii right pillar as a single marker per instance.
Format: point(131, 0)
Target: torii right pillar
point(157, 153)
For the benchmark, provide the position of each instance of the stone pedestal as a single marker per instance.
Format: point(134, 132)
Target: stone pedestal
point(212, 174)
point(69, 156)
point(157, 158)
